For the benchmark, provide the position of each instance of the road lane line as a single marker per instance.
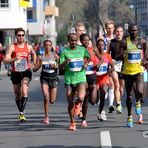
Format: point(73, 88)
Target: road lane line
point(36, 79)
point(105, 135)
point(105, 139)
point(145, 134)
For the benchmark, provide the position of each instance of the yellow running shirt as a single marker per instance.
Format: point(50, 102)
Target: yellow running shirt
point(132, 59)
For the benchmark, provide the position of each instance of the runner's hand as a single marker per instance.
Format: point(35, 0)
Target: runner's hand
point(85, 65)
point(67, 61)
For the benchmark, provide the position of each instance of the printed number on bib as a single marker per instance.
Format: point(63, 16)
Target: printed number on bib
point(117, 65)
point(76, 64)
point(90, 68)
point(102, 69)
point(46, 65)
point(134, 56)
point(21, 65)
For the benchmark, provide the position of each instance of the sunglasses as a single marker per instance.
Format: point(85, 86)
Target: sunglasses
point(48, 45)
point(20, 35)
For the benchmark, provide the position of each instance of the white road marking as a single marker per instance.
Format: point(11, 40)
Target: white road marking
point(105, 139)
point(36, 79)
point(105, 135)
point(145, 134)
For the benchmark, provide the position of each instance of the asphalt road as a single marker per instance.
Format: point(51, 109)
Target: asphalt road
point(34, 134)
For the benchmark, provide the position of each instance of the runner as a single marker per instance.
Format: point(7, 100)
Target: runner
point(72, 59)
point(48, 78)
point(18, 55)
point(80, 29)
point(135, 57)
point(117, 76)
point(102, 73)
point(91, 93)
point(107, 37)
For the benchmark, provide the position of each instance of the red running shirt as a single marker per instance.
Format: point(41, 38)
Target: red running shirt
point(24, 63)
point(104, 79)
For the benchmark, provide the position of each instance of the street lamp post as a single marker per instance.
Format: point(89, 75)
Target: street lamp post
point(136, 15)
point(134, 7)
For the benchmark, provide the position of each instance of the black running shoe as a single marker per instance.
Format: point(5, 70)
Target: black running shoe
point(111, 109)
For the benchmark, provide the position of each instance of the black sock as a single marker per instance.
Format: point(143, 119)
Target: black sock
point(18, 103)
point(137, 100)
point(23, 103)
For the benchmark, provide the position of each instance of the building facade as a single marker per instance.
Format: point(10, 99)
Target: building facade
point(12, 16)
point(141, 16)
point(37, 18)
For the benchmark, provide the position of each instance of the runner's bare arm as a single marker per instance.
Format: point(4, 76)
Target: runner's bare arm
point(7, 58)
point(145, 58)
point(33, 54)
point(62, 65)
point(37, 64)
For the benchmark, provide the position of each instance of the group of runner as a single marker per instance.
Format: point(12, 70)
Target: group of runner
point(114, 62)
point(91, 73)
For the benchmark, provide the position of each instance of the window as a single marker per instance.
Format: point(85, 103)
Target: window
point(31, 15)
point(4, 3)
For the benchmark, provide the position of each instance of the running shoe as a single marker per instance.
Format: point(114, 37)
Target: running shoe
point(138, 108)
point(46, 120)
point(111, 109)
point(140, 120)
point(77, 109)
point(22, 117)
point(99, 117)
point(129, 122)
point(119, 109)
point(72, 126)
point(84, 123)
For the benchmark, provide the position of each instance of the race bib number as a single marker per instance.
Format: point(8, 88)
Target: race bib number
point(117, 65)
point(90, 68)
point(46, 65)
point(134, 56)
point(102, 69)
point(21, 65)
point(76, 64)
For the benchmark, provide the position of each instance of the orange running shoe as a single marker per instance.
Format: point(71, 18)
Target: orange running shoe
point(77, 109)
point(72, 126)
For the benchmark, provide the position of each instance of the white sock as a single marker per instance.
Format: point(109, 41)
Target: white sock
point(140, 115)
point(111, 96)
point(130, 116)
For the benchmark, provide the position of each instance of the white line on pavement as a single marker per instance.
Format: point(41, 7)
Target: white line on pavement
point(105, 139)
point(105, 135)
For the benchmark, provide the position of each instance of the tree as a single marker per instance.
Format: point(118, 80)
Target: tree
point(93, 13)
point(120, 11)
point(62, 36)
